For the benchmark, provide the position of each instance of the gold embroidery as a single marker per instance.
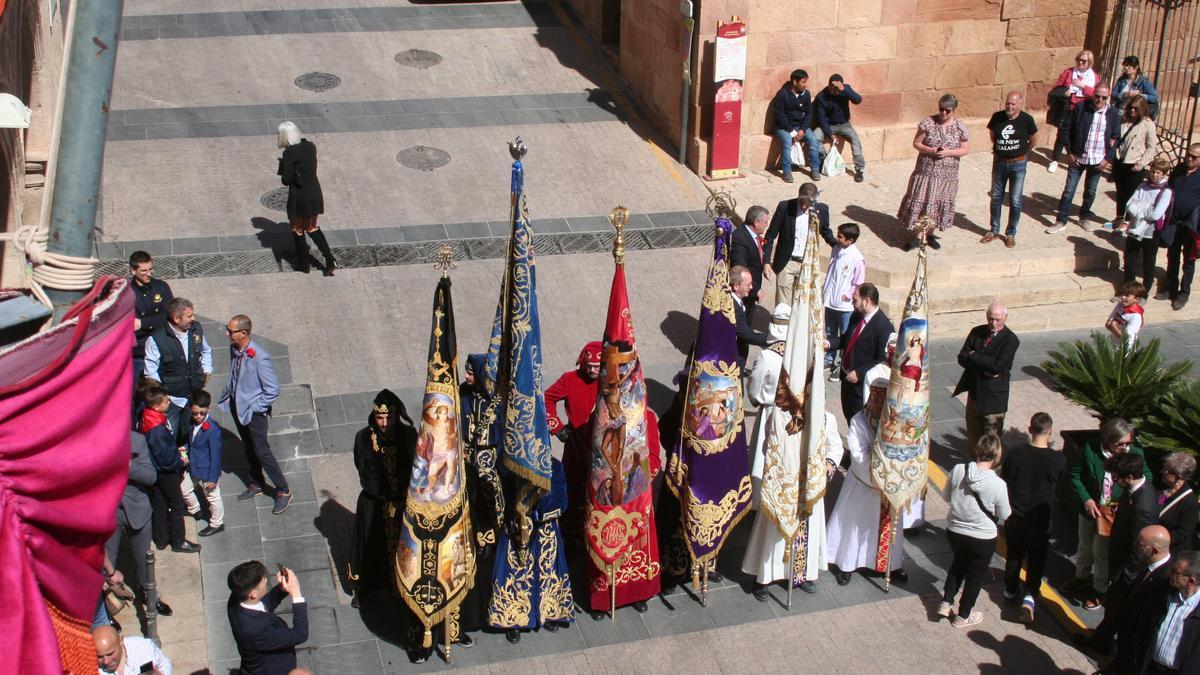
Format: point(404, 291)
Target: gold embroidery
point(511, 602)
point(636, 566)
point(610, 534)
point(717, 297)
point(707, 521)
point(701, 394)
point(555, 603)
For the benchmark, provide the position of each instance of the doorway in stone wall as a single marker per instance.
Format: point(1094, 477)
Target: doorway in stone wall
point(610, 28)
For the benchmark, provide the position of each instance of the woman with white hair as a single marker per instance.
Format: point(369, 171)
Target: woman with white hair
point(298, 171)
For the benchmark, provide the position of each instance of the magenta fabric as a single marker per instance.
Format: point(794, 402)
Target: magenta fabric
point(64, 461)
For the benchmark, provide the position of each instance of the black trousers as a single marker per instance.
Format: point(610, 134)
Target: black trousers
point(1127, 181)
point(969, 569)
point(852, 398)
point(167, 502)
point(1181, 248)
point(1140, 258)
point(1028, 540)
point(258, 450)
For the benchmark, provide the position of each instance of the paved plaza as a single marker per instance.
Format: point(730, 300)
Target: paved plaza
point(412, 153)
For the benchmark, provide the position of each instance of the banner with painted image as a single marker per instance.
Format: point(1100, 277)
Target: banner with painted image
point(435, 558)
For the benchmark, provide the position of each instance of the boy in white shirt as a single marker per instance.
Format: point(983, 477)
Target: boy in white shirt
point(1125, 321)
point(847, 271)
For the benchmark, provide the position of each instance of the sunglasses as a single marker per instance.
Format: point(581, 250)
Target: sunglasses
point(1098, 97)
point(234, 332)
point(946, 110)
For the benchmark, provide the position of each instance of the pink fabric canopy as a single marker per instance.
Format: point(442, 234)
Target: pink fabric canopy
point(64, 461)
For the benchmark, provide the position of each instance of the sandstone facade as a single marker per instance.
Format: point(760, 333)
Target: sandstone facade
point(31, 53)
point(901, 55)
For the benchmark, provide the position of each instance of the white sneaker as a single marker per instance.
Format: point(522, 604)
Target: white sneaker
point(1027, 607)
point(1052, 167)
point(944, 610)
point(974, 619)
point(1058, 227)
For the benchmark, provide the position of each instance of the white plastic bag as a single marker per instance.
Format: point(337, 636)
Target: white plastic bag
point(834, 164)
point(798, 150)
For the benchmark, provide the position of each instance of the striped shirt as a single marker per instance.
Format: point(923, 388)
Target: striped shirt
point(1170, 631)
point(1094, 150)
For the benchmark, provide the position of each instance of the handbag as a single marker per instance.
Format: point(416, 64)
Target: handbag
point(117, 597)
point(1058, 101)
point(1104, 523)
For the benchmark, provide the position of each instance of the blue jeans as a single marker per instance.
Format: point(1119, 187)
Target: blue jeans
point(1089, 190)
point(1012, 175)
point(810, 144)
point(836, 323)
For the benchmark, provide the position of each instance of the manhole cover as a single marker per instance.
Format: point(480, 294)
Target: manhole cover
point(276, 199)
point(318, 81)
point(418, 58)
point(423, 158)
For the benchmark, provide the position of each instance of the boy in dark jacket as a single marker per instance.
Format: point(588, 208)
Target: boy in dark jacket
point(170, 461)
point(204, 465)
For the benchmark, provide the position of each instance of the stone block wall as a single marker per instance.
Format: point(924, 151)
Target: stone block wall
point(901, 55)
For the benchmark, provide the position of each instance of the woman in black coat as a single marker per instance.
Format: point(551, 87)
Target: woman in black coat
point(1178, 507)
point(298, 171)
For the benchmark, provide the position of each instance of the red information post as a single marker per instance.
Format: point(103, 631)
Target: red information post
point(729, 72)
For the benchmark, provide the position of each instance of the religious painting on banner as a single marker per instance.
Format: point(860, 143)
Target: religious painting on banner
point(435, 559)
point(900, 455)
point(625, 457)
point(709, 472)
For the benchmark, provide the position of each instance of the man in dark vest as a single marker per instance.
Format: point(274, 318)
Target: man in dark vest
point(150, 299)
point(178, 357)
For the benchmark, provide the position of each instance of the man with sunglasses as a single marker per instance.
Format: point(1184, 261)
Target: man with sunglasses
point(1181, 229)
point(248, 396)
point(1092, 132)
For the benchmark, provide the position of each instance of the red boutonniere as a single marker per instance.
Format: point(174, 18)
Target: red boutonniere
point(206, 426)
point(250, 352)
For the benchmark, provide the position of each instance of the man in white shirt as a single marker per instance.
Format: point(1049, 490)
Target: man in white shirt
point(787, 237)
point(1175, 646)
point(180, 358)
point(129, 655)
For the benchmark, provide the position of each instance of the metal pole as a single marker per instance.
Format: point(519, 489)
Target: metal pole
point(689, 23)
point(150, 588)
point(789, 561)
point(87, 92)
point(887, 577)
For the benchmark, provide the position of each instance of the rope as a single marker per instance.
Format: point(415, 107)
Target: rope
point(50, 270)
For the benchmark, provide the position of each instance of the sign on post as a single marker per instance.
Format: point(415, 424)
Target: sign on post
point(729, 72)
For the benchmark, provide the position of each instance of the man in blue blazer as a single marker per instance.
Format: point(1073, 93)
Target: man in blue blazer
point(204, 465)
point(248, 396)
point(265, 642)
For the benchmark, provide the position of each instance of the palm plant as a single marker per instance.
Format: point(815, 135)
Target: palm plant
point(1110, 380)
point(1174, 425)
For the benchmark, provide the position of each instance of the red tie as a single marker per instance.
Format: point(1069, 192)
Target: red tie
point(760, 240)
point(846, 360)
point(988, 341)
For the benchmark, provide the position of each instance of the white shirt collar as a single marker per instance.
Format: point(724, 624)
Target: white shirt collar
point(1155, 565)
point(258, 606)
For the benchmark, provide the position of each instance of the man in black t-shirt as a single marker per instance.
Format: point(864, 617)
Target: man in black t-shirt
point(1032, 473)
point(1013, 133)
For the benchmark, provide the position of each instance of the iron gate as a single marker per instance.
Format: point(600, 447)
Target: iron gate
point(1165, 36)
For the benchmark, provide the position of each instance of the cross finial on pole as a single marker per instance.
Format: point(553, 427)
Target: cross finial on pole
point(619, 217)
point(445, 260)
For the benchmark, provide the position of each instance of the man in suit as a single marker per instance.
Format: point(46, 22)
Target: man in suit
point(134, 512)
point(787, 237)
point(739, 286)
point(248, 396)
point(1172, 621)
point(751, 250)
point(1127, 600)
point(1136, 509)
point(863, 346)
point(987, 358)
point(265, 642)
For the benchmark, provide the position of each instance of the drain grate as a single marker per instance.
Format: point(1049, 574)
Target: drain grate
point(276, 199)
point(318, 81)
point(419, 58)
point(423, 158)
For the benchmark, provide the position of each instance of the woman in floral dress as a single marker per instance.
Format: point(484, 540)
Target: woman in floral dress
point(941, 140)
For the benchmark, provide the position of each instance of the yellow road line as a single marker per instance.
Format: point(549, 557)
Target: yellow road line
point(1059, 607)
point(636, 120)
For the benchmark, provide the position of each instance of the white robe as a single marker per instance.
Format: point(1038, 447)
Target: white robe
point(767, 550)
point(760, 389)
point(853, 531)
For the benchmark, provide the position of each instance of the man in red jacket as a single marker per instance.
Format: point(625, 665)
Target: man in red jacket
point(577, 388)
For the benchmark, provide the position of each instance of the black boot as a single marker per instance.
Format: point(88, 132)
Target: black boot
point(301, 253)
point(318, 238)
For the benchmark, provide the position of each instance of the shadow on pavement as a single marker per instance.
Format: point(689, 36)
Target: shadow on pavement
point(335, 522)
